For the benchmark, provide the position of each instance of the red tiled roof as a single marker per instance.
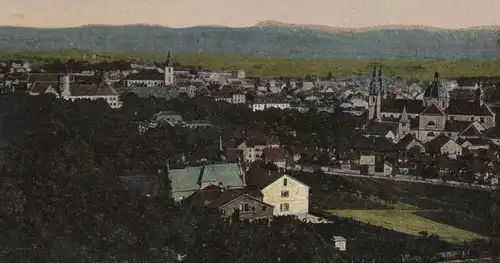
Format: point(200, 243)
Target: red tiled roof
point(463, 107)
point(274, 154)
point(232, 155)
point(261, 177)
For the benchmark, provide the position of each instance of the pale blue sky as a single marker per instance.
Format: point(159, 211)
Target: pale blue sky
point(181, 13)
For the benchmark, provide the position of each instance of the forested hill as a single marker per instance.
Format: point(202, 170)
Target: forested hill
point(263, 40)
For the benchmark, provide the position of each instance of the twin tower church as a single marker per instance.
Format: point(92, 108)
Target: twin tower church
point(425, 119)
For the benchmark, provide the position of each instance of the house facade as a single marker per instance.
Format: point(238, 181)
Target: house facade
point(247, 206)
point(253, 147)
point(288, 196)
point(263, 103)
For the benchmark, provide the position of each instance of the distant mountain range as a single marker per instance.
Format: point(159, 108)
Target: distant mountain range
point(268, 38)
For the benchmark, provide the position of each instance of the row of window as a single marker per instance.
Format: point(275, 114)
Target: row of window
point(284, 207)
point(245, 207)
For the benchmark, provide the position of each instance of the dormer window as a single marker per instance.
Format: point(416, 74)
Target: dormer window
point(431, 123)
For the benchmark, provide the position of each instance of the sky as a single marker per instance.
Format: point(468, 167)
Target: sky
point(239, 13)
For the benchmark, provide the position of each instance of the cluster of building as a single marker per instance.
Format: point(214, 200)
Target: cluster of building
point(162, 80)
point(445, 118)
point(251, 182)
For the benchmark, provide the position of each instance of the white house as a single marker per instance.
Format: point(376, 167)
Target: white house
point(263, 103)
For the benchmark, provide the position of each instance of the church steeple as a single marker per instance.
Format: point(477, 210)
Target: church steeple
point(168, 63)
point(404, 124)
point(479, 94)
point(373, 82)
point(404, 116)
point(380, 77)
point(169, 71)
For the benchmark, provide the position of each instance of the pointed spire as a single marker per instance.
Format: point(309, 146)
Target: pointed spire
point(373, 83)
point(66, 71)
point(169, 59)
point(380, 77)
point(404, 116)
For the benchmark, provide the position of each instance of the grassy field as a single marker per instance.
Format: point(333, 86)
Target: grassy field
point(273, 67)
point(455, 214)
point(409, 222)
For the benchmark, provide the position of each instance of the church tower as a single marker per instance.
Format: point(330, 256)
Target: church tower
point(65, 83)
point(378, 116)
point(372, 97)
point(169, 71)
point(479, 95)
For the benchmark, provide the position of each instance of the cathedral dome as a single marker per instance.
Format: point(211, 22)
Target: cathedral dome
point(436, 89)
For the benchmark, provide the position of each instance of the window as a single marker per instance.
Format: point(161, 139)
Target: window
point(284, 207)
point(482, 119)
point(223, 212)
point(244, 207)
point(472, 118)
point(285, 182)
point(284, 193)
point(430, 134)
point(452, 118)
point(431, 123)
point(264, 208)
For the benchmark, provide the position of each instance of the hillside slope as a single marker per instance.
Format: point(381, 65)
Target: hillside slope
point(273, 41)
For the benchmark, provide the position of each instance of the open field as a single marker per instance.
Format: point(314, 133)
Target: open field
point(273, 67)
point(455, 214)
point(409, 222)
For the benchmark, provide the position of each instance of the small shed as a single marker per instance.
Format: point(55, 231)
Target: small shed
point(340, 243)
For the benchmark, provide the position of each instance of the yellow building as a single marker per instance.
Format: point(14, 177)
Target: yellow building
point(288, 195)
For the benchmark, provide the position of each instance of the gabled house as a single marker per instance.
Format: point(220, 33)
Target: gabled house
point(288, 195)
point(254, 144)
point(246, 201)
point(275, 155)
point(474, 143)
point(445, 146)
point(408, 147)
